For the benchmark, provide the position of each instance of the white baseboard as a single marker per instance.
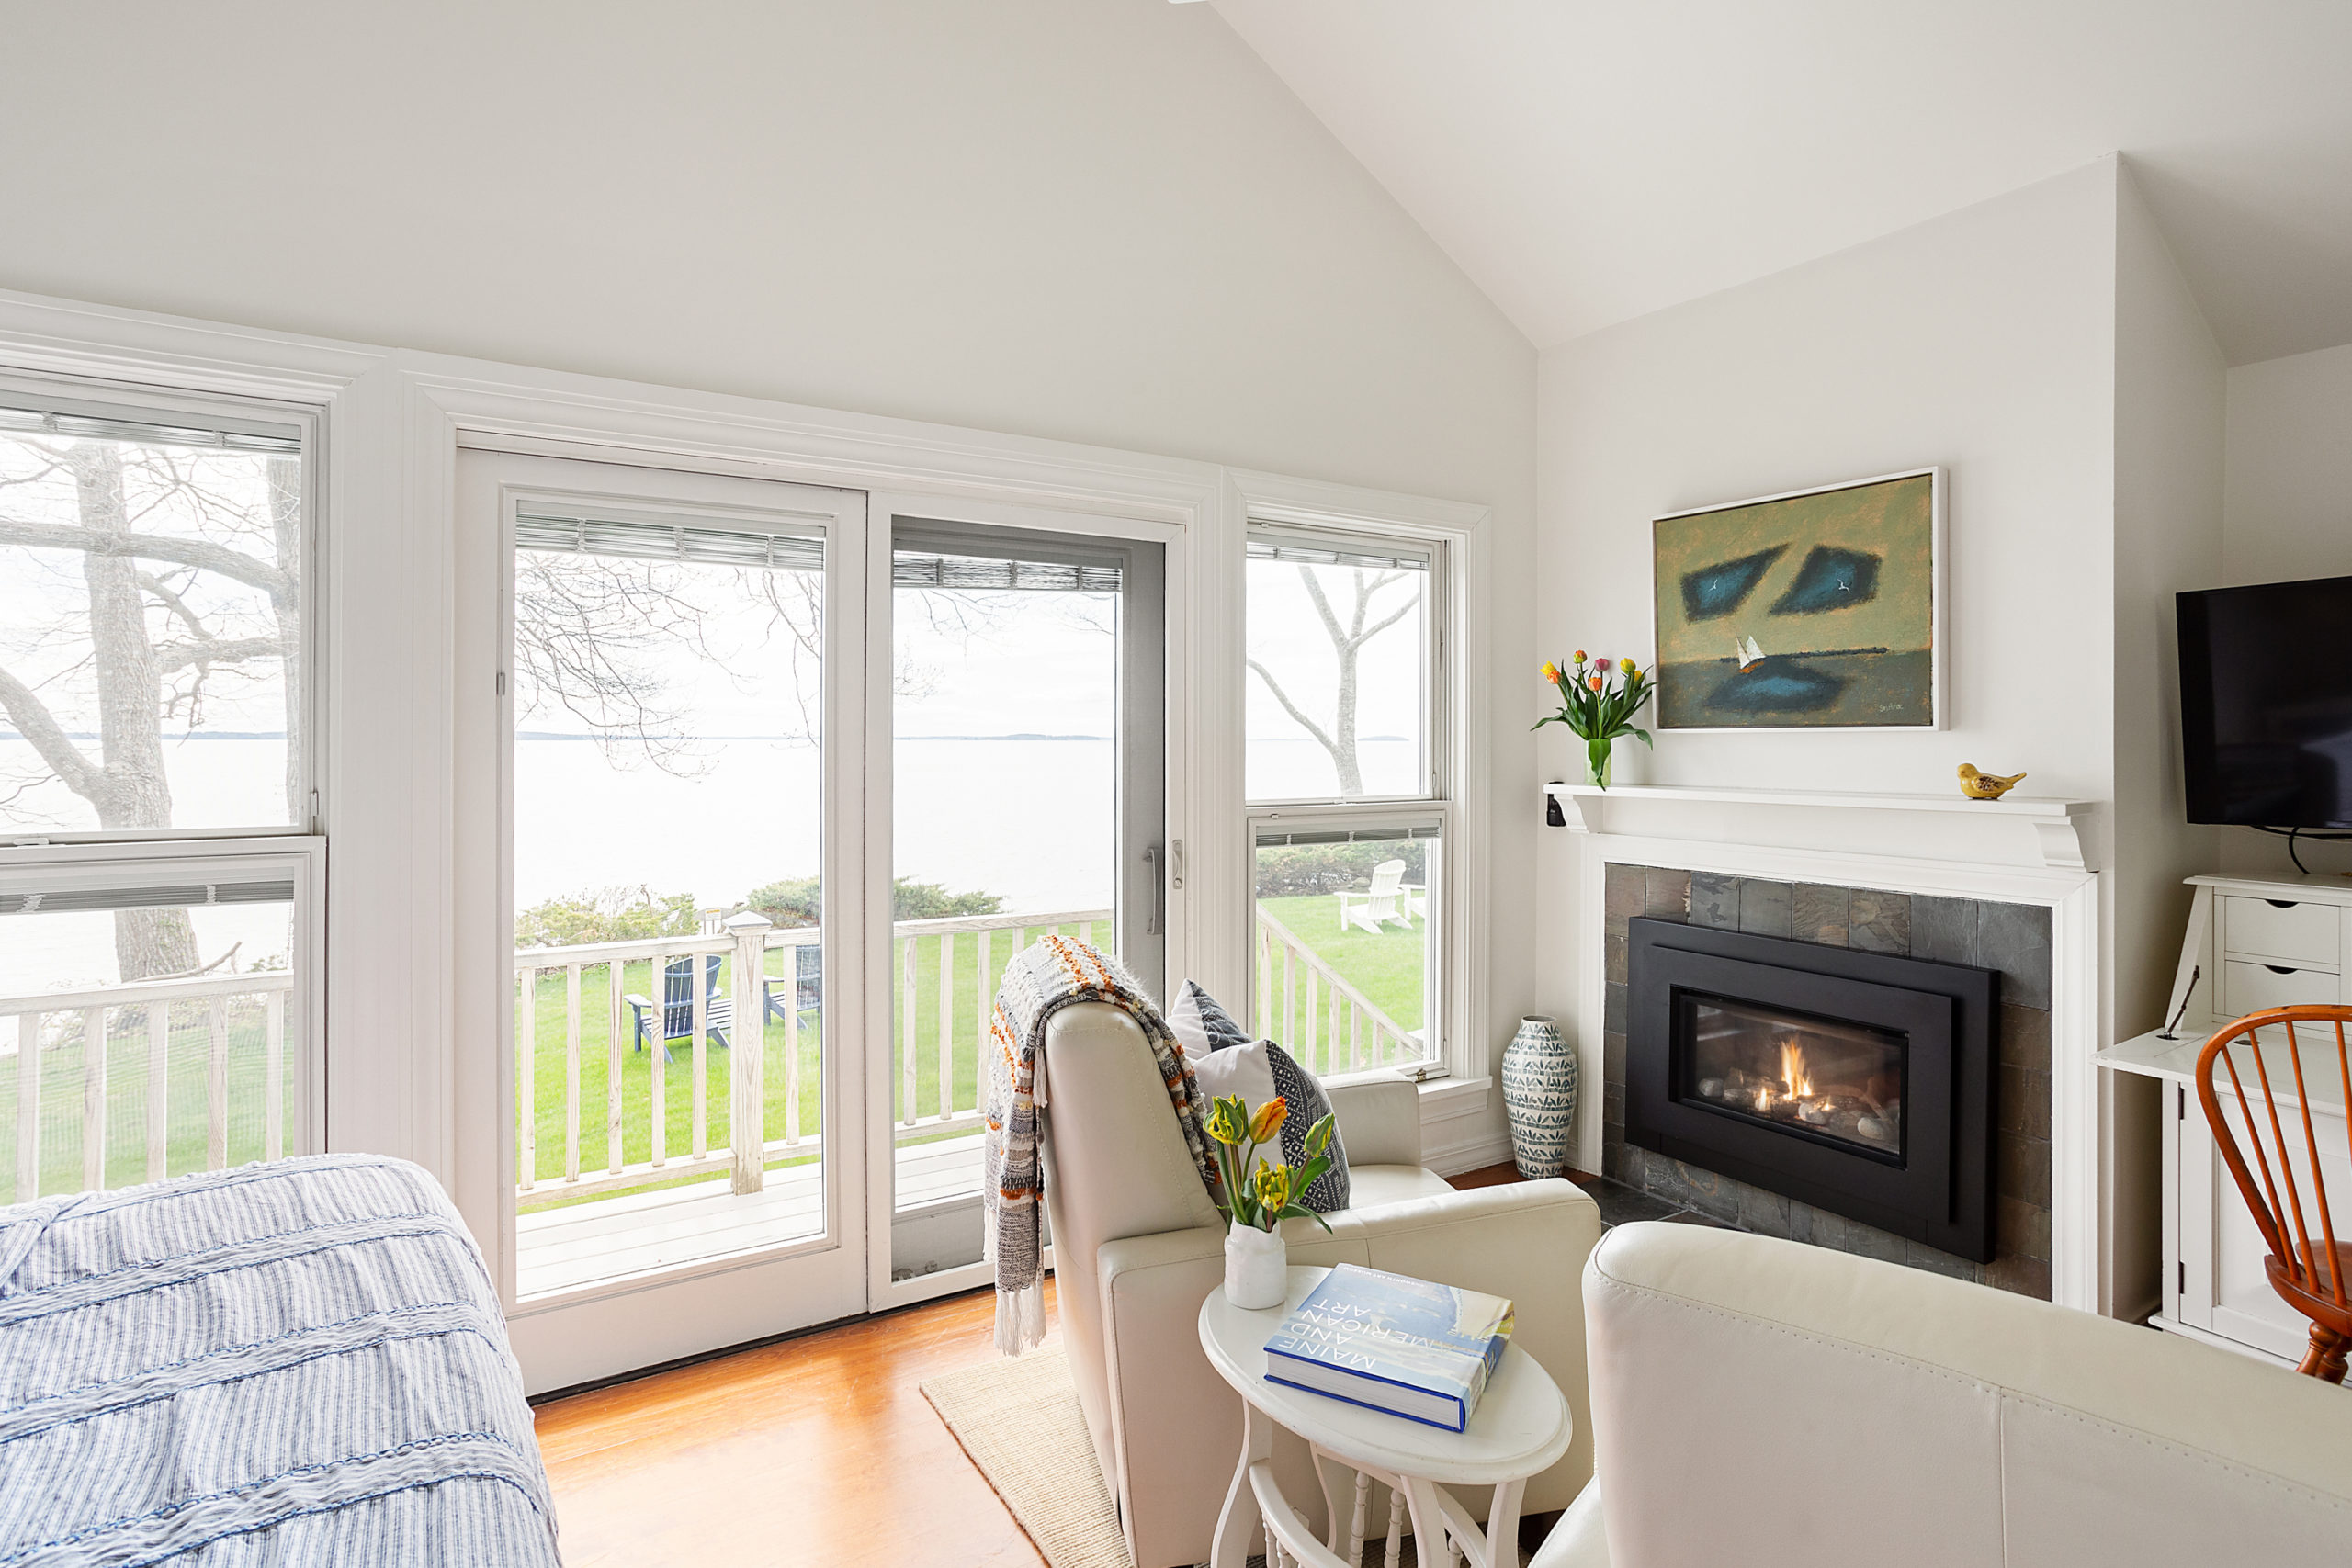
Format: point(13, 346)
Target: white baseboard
point(1470, 1149)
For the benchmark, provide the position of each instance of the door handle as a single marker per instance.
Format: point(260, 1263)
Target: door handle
point(1158, 891)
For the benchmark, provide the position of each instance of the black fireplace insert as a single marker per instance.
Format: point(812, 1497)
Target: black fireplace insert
point(1862, 1083)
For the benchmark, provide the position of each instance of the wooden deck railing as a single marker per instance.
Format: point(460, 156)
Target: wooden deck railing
point(965, 999)
point(953, 1108)
point(100, 1020)
point(1353, 1032)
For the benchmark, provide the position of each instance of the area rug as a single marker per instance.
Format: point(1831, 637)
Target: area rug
point(1019, 1420)
point(1018, 1417)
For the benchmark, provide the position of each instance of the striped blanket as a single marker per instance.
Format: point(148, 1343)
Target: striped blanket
point(296, 1362)
point(1049, 976)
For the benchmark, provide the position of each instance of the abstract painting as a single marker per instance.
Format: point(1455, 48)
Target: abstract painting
point(1818, 610)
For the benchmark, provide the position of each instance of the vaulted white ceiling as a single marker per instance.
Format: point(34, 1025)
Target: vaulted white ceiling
point(1588, 161)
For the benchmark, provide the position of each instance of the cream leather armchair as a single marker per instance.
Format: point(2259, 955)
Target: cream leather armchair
point(1138, 1246)
point(1763, 1402)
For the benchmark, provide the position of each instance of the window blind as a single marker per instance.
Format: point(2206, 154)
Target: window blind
point(919, 568)
point(639, 540)
point(30, 420)
point(1271, 838)
point(168, 896)
point(1301, 549)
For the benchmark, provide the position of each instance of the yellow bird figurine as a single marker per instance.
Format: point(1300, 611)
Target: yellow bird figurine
point(1985, 786)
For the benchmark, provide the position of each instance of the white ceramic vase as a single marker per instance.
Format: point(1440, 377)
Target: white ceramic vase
point(1254, 1265)
point(1539, 1097)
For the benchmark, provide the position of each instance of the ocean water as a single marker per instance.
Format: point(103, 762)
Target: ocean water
point(1027, 819)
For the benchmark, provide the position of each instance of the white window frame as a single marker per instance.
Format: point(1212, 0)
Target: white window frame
point(103, 859)
point(1457, 1075)
point(163, 405)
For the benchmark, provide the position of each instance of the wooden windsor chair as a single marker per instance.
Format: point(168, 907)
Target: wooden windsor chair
point(2262, 1057)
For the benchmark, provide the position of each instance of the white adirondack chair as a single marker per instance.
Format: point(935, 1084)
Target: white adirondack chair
point(1387, 901)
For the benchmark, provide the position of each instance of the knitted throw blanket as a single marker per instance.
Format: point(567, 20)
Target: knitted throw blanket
point(1053, 972)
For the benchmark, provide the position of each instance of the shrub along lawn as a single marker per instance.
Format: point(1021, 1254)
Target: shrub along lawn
point(1389, 968)
point(973, 997)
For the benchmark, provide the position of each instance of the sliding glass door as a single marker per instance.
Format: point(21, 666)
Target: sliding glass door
point(757, 800)
point(678, 712)
point(1020, 770)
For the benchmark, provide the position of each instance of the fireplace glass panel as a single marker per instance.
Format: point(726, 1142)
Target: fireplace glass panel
point(1836, 1080)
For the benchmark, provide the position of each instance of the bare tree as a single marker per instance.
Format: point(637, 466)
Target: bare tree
point(1348, 640)
point(134, 581)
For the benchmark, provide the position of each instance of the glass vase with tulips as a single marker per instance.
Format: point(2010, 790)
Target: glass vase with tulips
point(1597, 701)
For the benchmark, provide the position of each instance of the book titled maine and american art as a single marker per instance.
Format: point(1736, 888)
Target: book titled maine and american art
point(1405, 1347)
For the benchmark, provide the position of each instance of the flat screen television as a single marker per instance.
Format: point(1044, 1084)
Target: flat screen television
point(2266, 704)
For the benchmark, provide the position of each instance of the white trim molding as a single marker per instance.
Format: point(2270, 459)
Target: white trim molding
point(2071, 895)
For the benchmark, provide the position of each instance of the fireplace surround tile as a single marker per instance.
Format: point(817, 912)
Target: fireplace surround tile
point(1669, 895)
point(2024, 1103)
point(2013, 939)
point(1715, 901)
point(1944, 930)
point(1764, 908)
point(2025, 1036)
point(1878, 923)
point(1819, 914)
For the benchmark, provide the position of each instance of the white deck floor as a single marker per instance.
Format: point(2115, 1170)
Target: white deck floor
point(560, 1249)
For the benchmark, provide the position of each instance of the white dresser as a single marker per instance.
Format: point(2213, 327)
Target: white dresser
point(2252, 944)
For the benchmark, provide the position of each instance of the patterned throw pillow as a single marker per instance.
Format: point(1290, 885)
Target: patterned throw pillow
point(1200, 1025)
point(1227, 1061)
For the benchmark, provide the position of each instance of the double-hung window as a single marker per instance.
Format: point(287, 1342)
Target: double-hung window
point(160, 881)
point(1350, 807)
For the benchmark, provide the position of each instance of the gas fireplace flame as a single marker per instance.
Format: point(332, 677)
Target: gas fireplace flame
point(1792, 1074)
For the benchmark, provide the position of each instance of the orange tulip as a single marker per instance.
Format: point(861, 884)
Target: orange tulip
point(1593, 681)
point(1269, 1120)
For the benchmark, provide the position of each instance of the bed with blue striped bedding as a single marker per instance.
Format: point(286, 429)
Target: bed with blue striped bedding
point(296, 1362)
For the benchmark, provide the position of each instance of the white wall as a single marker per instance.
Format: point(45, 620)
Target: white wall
point(1983, 342)
point(2169, 410)
point(2287, 514)
point(1102, 222)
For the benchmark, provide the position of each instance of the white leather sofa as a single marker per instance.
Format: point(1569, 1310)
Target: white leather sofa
point(1138, 1246)
point(1761, 1403)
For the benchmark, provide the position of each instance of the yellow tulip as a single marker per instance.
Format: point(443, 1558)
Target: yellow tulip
point(1225, 1123)
point(1318, 1137)
point(1269, 1120)
point(1271, 1182)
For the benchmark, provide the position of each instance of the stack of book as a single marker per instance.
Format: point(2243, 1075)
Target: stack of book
point(1405, 1347)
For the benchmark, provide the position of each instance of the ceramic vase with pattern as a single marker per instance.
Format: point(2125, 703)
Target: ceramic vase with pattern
point(1255, 1265)
point(1539, 1095)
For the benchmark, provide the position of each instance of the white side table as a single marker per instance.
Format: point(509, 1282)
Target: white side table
point(1520, 1428)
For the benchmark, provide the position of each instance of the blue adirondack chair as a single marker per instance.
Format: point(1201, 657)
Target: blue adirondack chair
point(808, 985)
point(677, 1010)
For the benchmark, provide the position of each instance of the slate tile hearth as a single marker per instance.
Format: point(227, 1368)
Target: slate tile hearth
point(2011, 938)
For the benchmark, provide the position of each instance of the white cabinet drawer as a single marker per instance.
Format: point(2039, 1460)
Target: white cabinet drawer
point(2247, 987)
point(2291, 934)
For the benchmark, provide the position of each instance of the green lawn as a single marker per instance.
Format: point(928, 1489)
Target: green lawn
point(189, 1095)
point(973, 994)
point(1389, 969)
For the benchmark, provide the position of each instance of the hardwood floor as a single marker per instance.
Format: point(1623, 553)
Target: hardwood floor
point(818, 1450)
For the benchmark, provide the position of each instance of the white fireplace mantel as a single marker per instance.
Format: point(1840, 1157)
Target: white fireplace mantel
point(2055, 825)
